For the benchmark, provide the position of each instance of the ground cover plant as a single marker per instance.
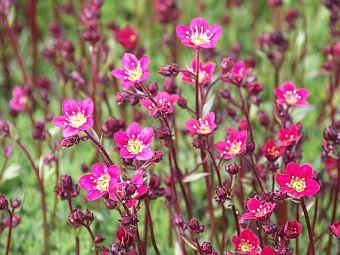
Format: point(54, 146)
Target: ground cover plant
point(169, 127)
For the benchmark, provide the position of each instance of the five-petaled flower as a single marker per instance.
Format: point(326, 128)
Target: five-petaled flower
point(199, 34)
point(19, 100)
point(129, 191)
point(291, 96)
point(203, 126)
point(77, 117)
point(234, 145)
point(165, 103)
point(135, 142)
point(246, 243)
point(237, 73)
point(99, 180)
point(134, 71)
point(258, 210)
point(127, 37)
point(298, 180)
point(271, 150)
point(205, 72)
point(288, 136)
point(292, 229)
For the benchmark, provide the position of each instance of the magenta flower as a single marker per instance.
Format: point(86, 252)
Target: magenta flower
point(292, 229)
point(77, 117)
point(129, 191)
point(298, 180)
point(237, 73)
point(203, 126)
point(204, 74)
point(165, 103)
point(335, 229)
point(135, 142)
point(272, 151)
point(234, 145)
point(199, 34)
point(19, 100)
point(258, 210)
point(288, 136)
point(134, 71)
point(246, 243)
point(290, 96)
point(268, 250)
point(99, 180)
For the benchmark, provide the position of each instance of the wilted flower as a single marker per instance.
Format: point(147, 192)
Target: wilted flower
point(298, 180)
point(291, 96)
point(165, 103)
point(258, 210)
point(99, 180)
point(246, 243)
point(234, 145)
point(112, 125)
point(292, 229)
point(205, 72)
point(134, 71)
point(135, 142)
point(199, 34)
point(124, 237)
point(76, 218)
point(203, 126)
point(77, 117)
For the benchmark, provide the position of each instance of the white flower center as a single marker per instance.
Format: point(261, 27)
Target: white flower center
point(77, 120)
point(135, 73)
point(198, 36)
point(291, 97)
point(135, 146)
point(103, 182)
point(235, 148)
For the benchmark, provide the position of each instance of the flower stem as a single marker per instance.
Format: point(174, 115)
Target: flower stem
point(309, 227)
point(9, 234)
point(153, 240)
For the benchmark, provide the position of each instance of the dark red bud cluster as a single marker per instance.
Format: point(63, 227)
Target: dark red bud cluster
point(66, 189)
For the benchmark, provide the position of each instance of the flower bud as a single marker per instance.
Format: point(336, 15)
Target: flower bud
point(169, 70)
point(3, 202)
point(232, 168)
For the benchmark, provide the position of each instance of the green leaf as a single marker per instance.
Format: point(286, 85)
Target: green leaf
point(195, 177)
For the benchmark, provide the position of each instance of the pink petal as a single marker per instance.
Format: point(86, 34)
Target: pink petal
point(98, 169)
point(129, 59)
point(199, 22)
point(282, 180)
point(69, 131)
point(288, 86)
point(312, 187)
point(94, 194)
point(114, 172)
point(253, 204)
point(86, 182)
point(146, 136)
point(248, 216)
point(60, 121)
point(144, 62)
point(180, 31)
point(88, 124)
point(119, 73)
point(293, 169)
point(18, 91)
point(124, 153)
point(120, 138)
point(70, 106)
point(221, 145)
point(146, 154)
point(145, 76)
point(87, 106)
point(133, 129)
point(307, 171)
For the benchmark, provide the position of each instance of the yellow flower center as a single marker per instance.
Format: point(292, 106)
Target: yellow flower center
point(204, 129)
point(245, 246)
point(235, 148)
point(298, 184)
point(135, 146)
point(291, 97)
point(77, 120)
point(198, 36)
point(132, 38)
point(135, 73)
point(103, 182)
point(201, 76)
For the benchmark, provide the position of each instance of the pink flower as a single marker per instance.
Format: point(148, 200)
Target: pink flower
point(237, 73)
point(290, 96)
point(298, 180)
point(292, 229)
point(165, 103)
point(203, 126)
point(135, 142)
point(134, 71)
point(271, 150)
point(19, 100)
point(129, 191)
point(258, 210)
point(288, 136)
point(335, 229)
point(127, 37)
point(246, 242)
point(204, 74)
point(99, 180)
point(268, 250)
point(199, 34)
point(77, 117)
point(234, 146)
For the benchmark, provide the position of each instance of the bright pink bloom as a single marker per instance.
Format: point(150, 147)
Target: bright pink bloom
point(199, 34)
point(134, 71)
point(268, 250)
point(234, 146)
point(298, 180)
point(129, 191)
point(135, 142)
point(238, 72)
point(127, 37)
point(19, 100)
point(258, 210)
point(203, 126)
point(165, 103)
point(288, 136)
point(205, 72)
point(99, 180)
point(246, 242)
point(271, 150)
point(335, 228)
point(289, 95)
point(292, 229)
point(77, 117)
